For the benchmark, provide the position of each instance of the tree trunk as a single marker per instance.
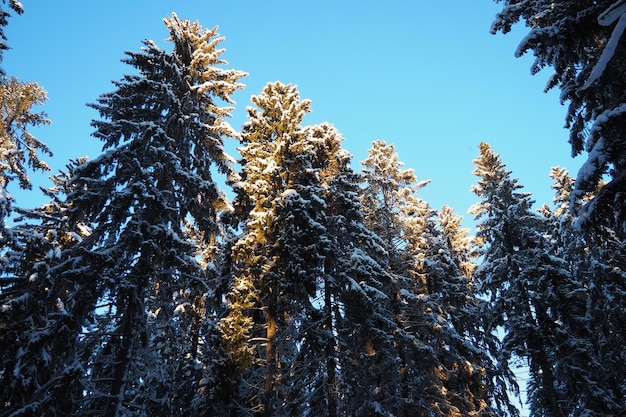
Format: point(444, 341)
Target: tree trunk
point(331, 364)
point(123, 358)
point(270, 359)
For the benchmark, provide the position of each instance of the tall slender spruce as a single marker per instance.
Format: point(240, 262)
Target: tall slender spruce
point(143, 198)
point(520, 280)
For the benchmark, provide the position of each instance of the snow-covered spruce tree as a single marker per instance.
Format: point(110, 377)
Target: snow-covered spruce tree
point(283, 322)
point(360, 376)
point(601, 270)
point(590, 390)
point(307, 324)
point(597, 265)
point(467, 372)
point(582, 41)
point(387, 188)
point(19, 151)
point(387, 193)
point(520, 278)
point(39, 370)
point(436, 376)
point(458, 241)
point(463, 309)
point(278, 258)
point(163, 133)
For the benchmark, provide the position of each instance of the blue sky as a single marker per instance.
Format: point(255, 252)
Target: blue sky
point(426, 76)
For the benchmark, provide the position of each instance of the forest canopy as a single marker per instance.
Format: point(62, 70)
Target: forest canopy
point(165, 277)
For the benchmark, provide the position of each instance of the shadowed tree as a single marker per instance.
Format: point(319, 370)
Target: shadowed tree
point(582, 42)
point(39, 370)
point(442, 369)
point(521, 279)
point(144, 200)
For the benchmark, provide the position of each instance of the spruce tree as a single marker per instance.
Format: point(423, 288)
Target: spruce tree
point(39, 370)
point(277, 259)
point(466, 369)
point(520, 280)
point(362, 373)
point(308, 326)
point(26, 252)
point(583, 380)
point(442, 368)
point(142, 199)
point(582, 42)
point(20, 151)
point(593, 304)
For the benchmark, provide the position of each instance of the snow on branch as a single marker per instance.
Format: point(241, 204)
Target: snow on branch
point(607, 18)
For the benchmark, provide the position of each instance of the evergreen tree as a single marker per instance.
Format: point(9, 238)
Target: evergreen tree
point(580, 40)
point(601, 270)
point(388, 187)
point(144, 290)
point(443, 370)
point(278, 257)
point(469, 376)
point(362, 372)
point(307, 323)
point(582, 375)
point(19, 151)
point(458, 241)
point(38, 368)
point(26, 252)
point(596, 309)
point(521, 279)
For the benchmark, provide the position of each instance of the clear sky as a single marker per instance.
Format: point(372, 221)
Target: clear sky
point(424, 75)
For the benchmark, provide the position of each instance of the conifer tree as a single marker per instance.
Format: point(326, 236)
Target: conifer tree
point(273, 274)
point(442, 371)
point(19, 151)
point(307, 324)
point(458, 241)
point(585, 384)
point(582, 42)
point(25, 253)
point(361, 372)
point(38, 370)
point(388, 187)
point(520, 280)
point(399, 218)
point(594, 306)
point(163, 132)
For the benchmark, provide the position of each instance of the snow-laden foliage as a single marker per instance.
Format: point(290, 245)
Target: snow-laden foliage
point(309, 323)
point(443, 369)
point(583, 43)
point(39, 371)
point(362, 357)
point(19, 149)
point(517, 278)
point(139, 290)
point(142, 200)
point(595, 303)
point(278, 257)
point(553, 294)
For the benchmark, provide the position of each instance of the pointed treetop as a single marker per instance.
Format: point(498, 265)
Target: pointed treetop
point(17, 145)
point(495, 183)
point(197, 49)
point(280, 112)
